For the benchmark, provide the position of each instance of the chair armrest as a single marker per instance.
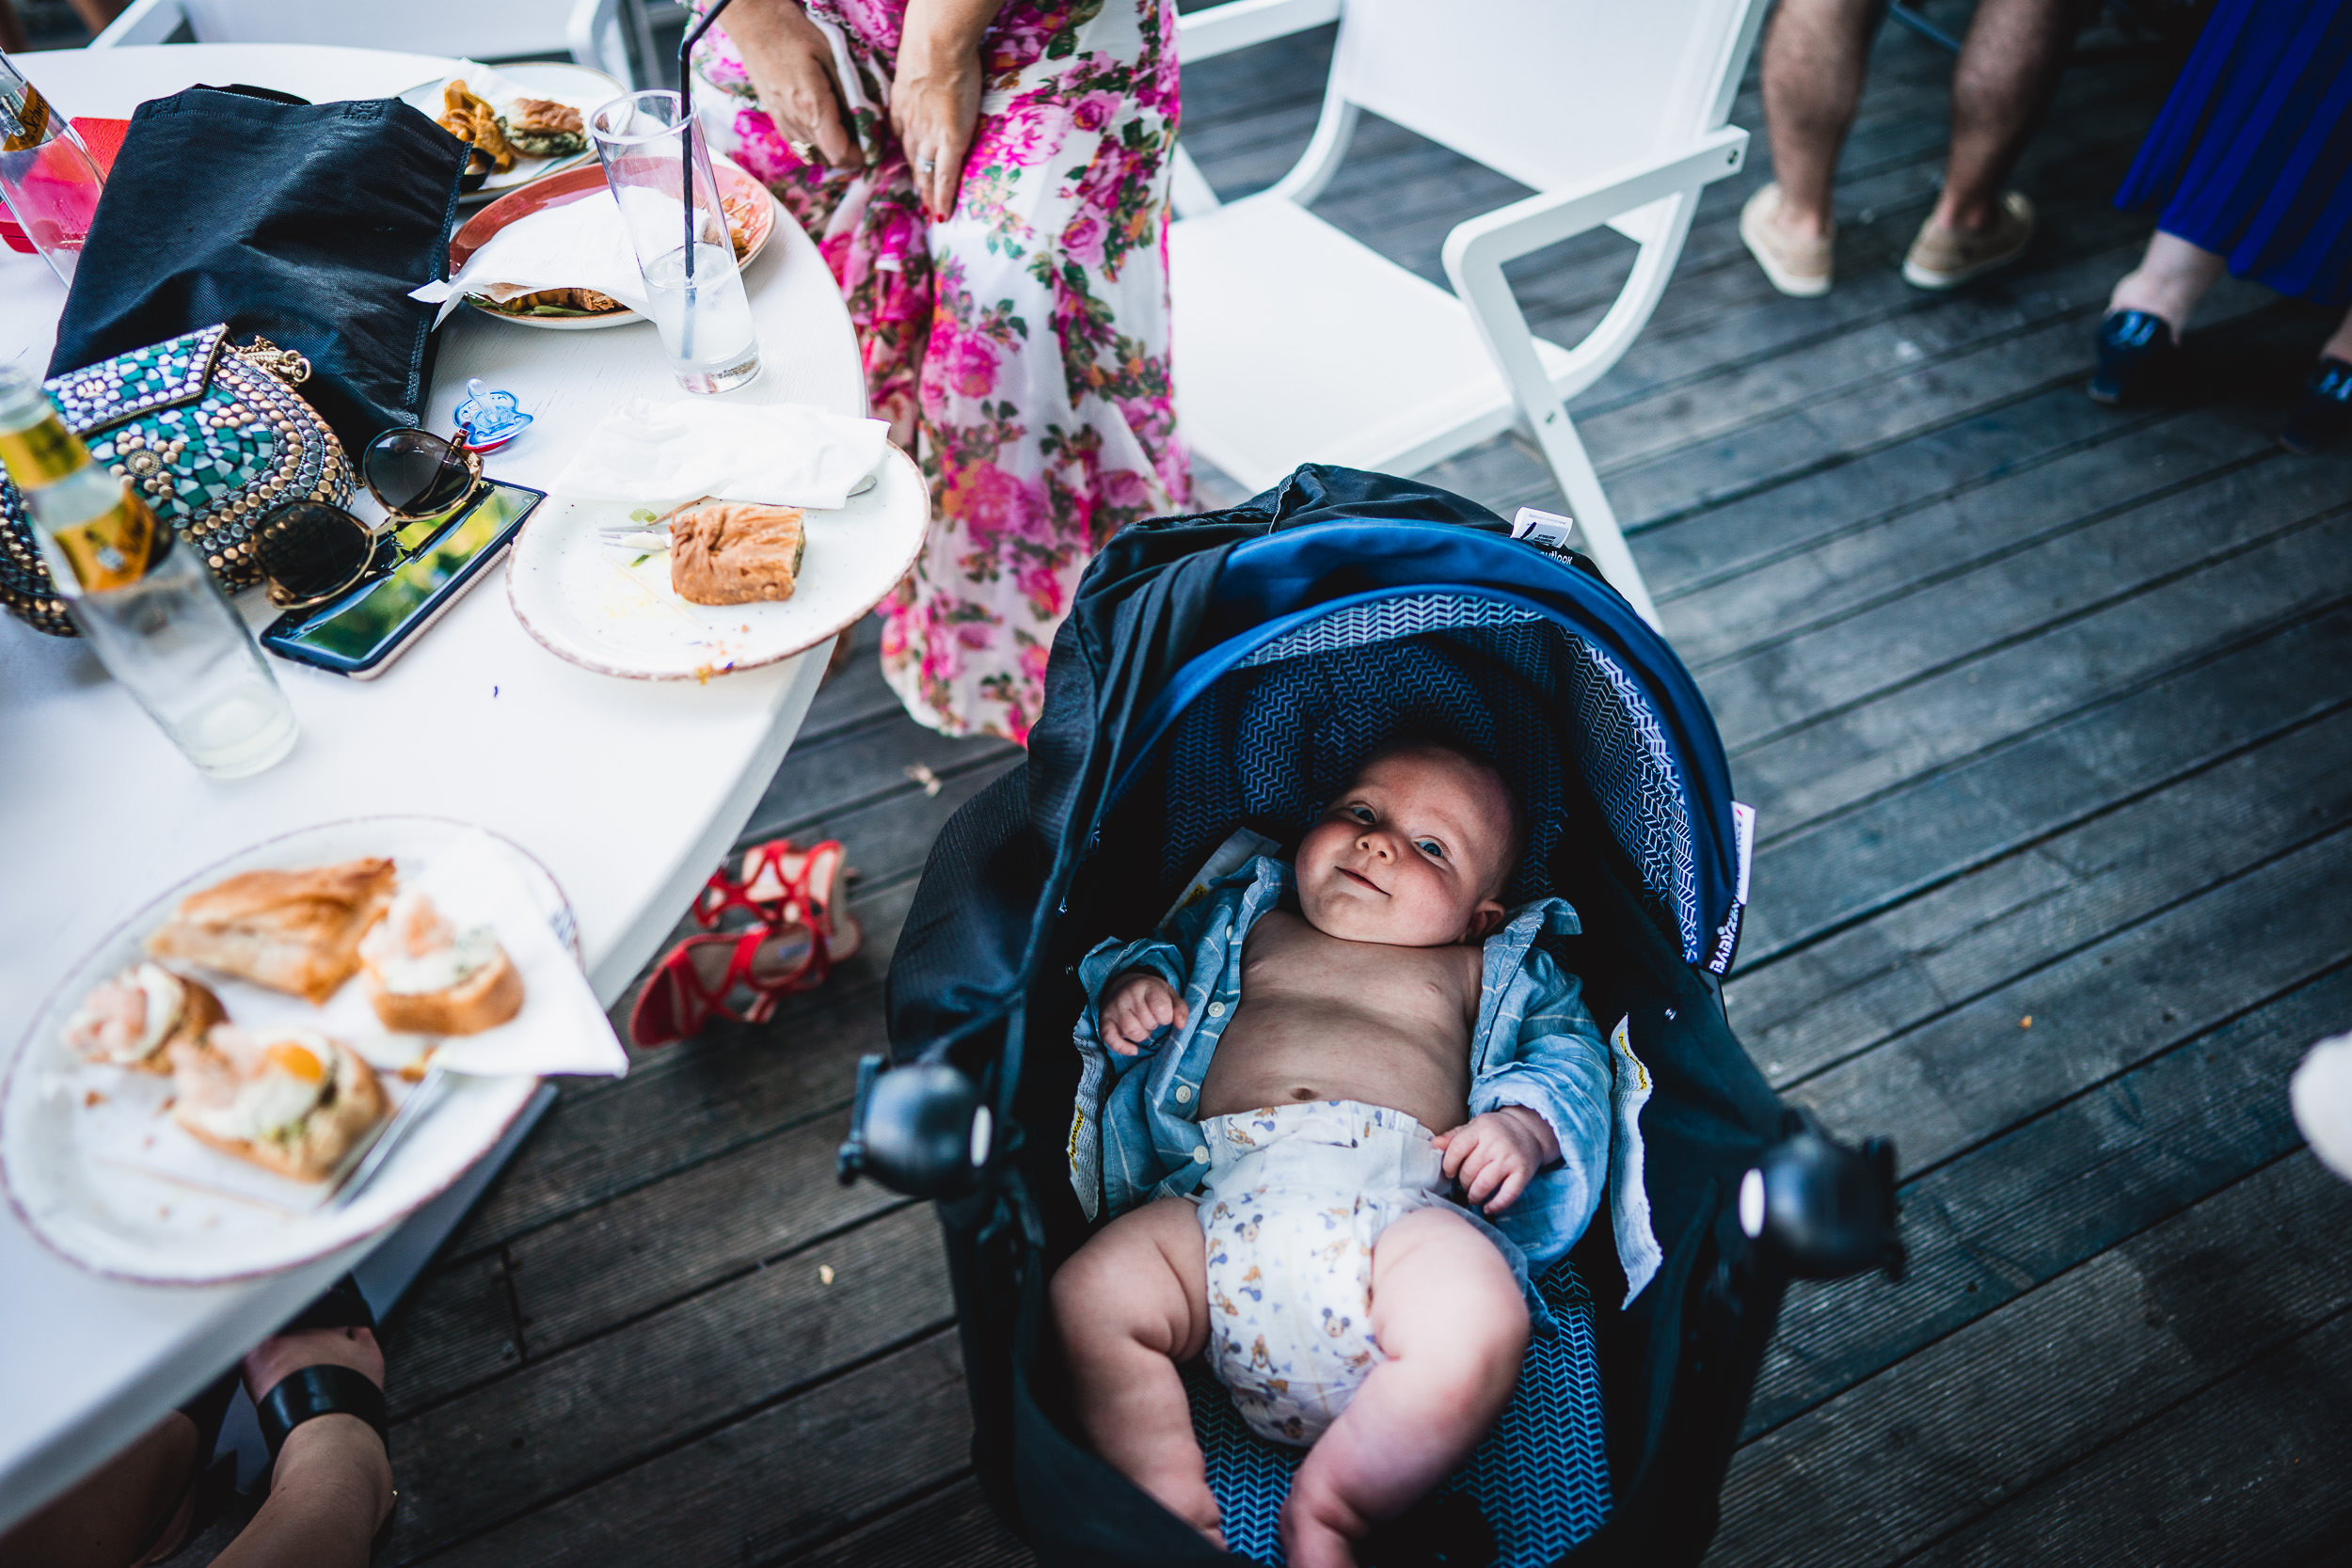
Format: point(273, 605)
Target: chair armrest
point(1222, 29)
point(1555, 216)
point(589, 26)
point(142, 22)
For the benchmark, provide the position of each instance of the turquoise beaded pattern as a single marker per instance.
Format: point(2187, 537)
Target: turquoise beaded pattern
point(212, 443)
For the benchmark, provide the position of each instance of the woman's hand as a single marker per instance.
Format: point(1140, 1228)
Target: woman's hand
point(935, 106)
point(1495, 1156)
point(935, 98)
point(790, 64)
point(1138, 1006)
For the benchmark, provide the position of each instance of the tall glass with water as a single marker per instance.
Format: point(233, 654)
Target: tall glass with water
point(48, 181)
point(679, 231)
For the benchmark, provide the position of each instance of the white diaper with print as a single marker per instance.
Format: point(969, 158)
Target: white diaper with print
point(1294, 1198)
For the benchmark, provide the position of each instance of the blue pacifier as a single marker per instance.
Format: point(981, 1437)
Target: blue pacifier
point(487, 420)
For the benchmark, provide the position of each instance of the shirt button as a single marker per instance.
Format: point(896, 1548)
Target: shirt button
point(1183, 1094)
point(1200, 1155)
point(1217, 1009)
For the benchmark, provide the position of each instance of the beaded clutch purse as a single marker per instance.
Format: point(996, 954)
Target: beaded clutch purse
point(214, 435)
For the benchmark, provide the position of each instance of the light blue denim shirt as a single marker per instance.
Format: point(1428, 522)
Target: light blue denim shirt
point(1134, 1133)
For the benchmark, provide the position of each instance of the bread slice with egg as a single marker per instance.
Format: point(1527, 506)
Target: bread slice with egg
point(225, 1084)
point(484, 1000)
point(426, 976)
point(143, 1002)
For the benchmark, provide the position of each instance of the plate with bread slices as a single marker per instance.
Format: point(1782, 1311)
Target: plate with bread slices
point(192, 1101)
point(712, 586)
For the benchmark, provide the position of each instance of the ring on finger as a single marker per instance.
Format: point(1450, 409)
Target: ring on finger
point(927, 164)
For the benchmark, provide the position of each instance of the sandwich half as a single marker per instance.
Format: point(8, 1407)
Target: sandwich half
point(295, 931)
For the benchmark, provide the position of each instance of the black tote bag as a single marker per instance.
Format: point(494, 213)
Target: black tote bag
point(305, 223)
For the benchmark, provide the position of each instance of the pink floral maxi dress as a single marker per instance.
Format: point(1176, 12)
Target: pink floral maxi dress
point(1020, 347)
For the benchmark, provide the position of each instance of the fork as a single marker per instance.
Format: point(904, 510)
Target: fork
point(411, 1113)
point(655, 535)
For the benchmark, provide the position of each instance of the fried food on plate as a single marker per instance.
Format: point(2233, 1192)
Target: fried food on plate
point(734, 552)
point(469, 119)
point(427, 977)
point(295, 931)
point(291, 1101)
point(133, 1018)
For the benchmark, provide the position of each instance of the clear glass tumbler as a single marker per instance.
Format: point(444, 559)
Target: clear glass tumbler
point(679, 231)
point(48, 181)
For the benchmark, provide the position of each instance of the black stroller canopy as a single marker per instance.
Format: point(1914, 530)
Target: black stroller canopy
point(1519, 656)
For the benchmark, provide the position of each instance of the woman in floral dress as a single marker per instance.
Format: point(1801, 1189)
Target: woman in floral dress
point(988, 180)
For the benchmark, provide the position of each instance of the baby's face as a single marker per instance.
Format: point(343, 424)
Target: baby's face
point(1409, 854)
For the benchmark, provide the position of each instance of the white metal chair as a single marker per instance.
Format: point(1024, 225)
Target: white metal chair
point(590, 30)
point(1295, 342)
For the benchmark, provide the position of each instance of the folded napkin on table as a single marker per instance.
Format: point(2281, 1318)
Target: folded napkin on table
point(579, 244)
point(661, 454)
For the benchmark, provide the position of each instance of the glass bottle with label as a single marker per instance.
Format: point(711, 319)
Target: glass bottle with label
point(151, 613)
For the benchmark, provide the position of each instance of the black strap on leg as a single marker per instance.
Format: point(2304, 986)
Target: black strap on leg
point(323, 1390)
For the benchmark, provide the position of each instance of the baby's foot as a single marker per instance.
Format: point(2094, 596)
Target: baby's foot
point(1319, 1530)
point(1188, 1497)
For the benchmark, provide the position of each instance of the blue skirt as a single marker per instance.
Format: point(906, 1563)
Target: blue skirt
point(2251, 155)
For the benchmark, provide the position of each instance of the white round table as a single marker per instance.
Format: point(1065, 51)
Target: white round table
point(629, 792)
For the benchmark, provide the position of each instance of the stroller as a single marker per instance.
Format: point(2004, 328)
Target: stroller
point(1227, 670)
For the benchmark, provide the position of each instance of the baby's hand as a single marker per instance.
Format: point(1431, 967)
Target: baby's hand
point(1495, 1156)
point(1136, 1005)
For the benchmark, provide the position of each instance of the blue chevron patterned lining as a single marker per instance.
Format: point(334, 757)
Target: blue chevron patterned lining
point(1269, 742)
point(1541, 1478)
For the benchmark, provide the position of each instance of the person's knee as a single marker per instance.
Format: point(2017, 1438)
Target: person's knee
point(1446, 1293)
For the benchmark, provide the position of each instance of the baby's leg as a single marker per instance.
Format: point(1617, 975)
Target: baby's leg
point(1131, 1303)
point(1447, 1312)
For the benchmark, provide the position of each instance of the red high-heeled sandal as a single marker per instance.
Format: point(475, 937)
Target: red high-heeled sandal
point(681, 994)
point(782, 884)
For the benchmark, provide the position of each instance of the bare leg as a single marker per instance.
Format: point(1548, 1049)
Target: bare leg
point(329, 1492)
point(2169, 281)
point(115, 1510)
point(1131, 1305)
point(1448, 1314)
point(2007, 73)
point(1814, 62)
point(332, 1486)
point(2338, 346)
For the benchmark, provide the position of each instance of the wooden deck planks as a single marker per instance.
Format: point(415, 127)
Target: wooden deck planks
point(2039, 702)
point(1952, 1431)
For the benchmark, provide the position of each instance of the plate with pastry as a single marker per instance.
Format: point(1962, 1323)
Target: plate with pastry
point(711, 586)
point(188, 1104)
point(751, 213)
point(525, 120)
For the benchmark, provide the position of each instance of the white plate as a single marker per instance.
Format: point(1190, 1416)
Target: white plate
point(118, 1187)
point(588, 603)
point(578, 85)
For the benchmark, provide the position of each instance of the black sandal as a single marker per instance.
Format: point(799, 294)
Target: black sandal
point(329, 1389)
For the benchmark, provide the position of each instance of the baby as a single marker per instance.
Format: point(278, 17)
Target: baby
point(1316, 1023)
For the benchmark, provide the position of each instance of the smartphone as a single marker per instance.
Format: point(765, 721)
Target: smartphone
point(426, 567)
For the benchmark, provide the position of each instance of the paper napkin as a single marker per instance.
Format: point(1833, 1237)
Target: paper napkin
point(661, 454)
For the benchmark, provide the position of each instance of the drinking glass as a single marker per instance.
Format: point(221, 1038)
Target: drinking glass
point(649, 145)
point(48, 181)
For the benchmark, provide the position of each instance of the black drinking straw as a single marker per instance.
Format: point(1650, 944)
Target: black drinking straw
point(685, 151)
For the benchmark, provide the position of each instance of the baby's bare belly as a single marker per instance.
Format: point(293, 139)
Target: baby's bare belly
point(1288, 1049)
